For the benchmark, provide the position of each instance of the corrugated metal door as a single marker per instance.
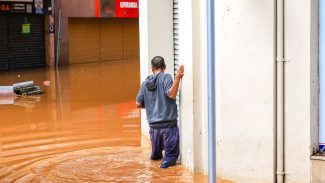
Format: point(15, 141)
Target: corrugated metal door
point(26, 50)
point(176, 47)
point(176, 36)
point(3, 44)
point(112, 37)
point(95, 40)
point(84, 40)
point(131, 40)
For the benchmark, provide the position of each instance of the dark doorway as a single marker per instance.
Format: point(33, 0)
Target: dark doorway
point(22, 43)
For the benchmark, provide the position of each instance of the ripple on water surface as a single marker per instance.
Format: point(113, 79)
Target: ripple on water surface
point(120, 164)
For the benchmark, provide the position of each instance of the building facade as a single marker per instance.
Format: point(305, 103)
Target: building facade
point(34, 32)
point(246, 67)
point(97, 31)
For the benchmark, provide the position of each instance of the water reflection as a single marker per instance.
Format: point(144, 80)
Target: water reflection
point(85, 128)
point(85, 106)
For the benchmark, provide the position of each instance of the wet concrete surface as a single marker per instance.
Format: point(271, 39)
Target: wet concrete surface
point(85, 128)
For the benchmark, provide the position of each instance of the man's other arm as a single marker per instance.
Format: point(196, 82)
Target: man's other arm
point(140, 99)
point(139, 105)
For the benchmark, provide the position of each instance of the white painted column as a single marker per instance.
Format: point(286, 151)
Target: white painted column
point(322, 75)
point(186, 103)
point(301, 88)
point(156, 39)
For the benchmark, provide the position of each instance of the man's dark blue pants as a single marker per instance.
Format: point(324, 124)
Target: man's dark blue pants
point(165, 139)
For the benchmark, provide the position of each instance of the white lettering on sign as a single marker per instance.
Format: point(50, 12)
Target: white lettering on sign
point(19, 4)
point(19, 8)
point(128, 4)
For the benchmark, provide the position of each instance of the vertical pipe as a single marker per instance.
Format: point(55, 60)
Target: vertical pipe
point(322, 75)
point(57, 60)
point(280, 91)
point(211, 93)
point(59, 39)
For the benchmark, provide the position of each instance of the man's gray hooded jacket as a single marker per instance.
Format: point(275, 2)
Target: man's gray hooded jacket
point(153, 96)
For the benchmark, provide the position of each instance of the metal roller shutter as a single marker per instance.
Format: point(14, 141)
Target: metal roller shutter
point(176, 36)
point(95, 40)
point(3, 44)
point(176, 47)
point(26, 50)
point(131, 40)
point(84, 40)
point(112, 39)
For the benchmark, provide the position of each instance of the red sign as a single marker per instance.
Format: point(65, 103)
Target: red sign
point(117, 8)
point(127, 8)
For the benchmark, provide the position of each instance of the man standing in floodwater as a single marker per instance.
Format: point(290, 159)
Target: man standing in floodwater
point(158, 96)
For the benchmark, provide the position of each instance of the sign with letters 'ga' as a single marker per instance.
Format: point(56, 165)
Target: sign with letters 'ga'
point(21, 6)
point(119, 8)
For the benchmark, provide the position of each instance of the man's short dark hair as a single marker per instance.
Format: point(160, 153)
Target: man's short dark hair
point(158, 62)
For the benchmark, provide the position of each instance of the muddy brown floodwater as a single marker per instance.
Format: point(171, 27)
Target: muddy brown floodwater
point(85, 128)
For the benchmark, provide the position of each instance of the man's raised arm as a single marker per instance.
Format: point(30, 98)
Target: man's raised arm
point(174, 89)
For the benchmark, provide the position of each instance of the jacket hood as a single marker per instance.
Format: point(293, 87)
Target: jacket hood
point(151, 83)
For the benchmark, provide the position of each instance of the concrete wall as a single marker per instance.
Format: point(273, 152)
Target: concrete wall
point(301, 90)
point(156, 38)
point(186, 57)
point(245, 34)
point(193, 115)
point(245, 57)
point(200, 97)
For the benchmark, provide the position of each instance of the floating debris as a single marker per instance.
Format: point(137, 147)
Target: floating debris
point(27, 88)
